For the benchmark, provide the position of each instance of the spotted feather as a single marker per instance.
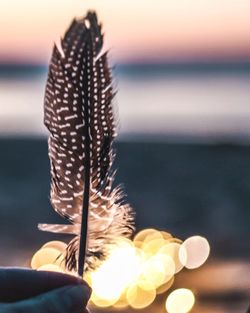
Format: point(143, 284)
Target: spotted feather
point(78, 113)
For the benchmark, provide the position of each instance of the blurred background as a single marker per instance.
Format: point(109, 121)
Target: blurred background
point(182, 70)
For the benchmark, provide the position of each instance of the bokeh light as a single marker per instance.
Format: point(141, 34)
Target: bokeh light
point(45, 256)
point(172, 249)
point(135, 271)
point(180, 301)
point(119, 269)
point(194, 252)
point(139, 298)
point(157, 270)
point(165, 287)
point(56, 244)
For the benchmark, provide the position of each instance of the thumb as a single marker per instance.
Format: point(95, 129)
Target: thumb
point(62, 300)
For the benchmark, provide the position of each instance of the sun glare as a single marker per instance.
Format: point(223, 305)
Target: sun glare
point(135, 272)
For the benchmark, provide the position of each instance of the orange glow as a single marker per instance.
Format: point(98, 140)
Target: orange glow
point(145, 29)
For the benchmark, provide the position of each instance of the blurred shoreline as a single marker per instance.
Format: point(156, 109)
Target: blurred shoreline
point(138, 69)
point(195, 102)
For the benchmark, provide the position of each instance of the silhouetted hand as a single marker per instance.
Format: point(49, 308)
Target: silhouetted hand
point(29, 291)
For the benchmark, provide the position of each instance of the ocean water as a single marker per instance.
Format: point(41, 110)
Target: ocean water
point(204, 104)
point(186, 187)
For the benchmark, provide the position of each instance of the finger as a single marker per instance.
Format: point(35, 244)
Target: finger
point(18, 284)
point(62, 300)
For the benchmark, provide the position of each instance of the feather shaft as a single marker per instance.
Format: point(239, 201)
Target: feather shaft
point(85, 207)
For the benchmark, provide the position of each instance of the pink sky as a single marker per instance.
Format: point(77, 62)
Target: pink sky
point(135, 29)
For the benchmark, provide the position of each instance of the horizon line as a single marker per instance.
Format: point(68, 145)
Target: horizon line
point(10, 70)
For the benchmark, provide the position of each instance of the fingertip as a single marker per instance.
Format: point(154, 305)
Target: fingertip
point(60, 279)
point(71, 298)
point(21, 283)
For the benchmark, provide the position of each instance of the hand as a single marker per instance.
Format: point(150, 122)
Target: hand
point(29, 291)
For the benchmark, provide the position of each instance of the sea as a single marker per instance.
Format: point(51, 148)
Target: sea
point(204, 102)
point(183, 156)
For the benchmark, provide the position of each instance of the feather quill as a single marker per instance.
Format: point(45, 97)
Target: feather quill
point(78, 113)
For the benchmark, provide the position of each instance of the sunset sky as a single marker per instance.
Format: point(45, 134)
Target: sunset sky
point(154, 30)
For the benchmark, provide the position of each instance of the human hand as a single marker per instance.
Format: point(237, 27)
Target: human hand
point(29, 291)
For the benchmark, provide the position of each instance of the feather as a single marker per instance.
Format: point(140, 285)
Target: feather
point(78, 113)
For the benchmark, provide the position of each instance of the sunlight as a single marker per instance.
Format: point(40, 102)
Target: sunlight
point(137, 270)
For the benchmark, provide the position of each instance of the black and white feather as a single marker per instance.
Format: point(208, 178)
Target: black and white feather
point(78, 113)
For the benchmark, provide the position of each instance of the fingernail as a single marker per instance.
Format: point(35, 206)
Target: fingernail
point(75, 297)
